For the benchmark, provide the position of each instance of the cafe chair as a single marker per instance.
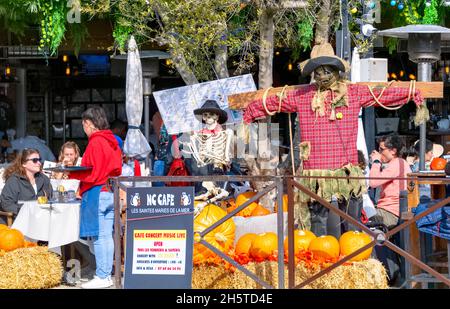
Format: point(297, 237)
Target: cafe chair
point(8, 216)
point(393, 262)
point(431, 226)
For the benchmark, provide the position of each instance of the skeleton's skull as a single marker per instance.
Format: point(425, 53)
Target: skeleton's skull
point(325, 76)
point(210, 118)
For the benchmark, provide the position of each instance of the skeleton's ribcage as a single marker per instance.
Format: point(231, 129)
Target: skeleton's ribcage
point(211, 147)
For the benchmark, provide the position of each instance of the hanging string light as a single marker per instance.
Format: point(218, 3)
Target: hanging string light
point(8, 70)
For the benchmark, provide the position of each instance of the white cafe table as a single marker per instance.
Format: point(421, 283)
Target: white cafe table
point(57, 223)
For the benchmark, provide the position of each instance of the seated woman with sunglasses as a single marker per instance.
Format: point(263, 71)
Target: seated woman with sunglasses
point(24, 181)
point(388, 163)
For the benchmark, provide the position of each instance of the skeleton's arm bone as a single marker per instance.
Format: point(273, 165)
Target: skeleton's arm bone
point(194, 149)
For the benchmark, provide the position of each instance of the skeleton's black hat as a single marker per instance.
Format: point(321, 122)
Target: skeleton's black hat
point(212, 107)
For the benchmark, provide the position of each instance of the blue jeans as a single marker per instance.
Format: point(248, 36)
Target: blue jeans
point(104, 243)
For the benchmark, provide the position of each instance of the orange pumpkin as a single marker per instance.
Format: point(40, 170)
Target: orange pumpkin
point(325, 246)
point(11, 239)
point(244, 243)
point(260, 211)
point(241, 199)
point(29, 244)
point(264, 245)
point(302, 239)
point(285, 203)
point(438, 164)
point(230, 205)
point(351, 241)
point(222, 237)
point(3, 227)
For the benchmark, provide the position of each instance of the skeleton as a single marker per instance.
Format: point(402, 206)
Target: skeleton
point(214, 194)
point(211, 148)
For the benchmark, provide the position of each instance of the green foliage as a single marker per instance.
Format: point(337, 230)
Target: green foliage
point(431, 16)
point(17, 14)
point(305, 33)
point(391, 44)
point(53, 24)
point(121, 34)
point(78, 33)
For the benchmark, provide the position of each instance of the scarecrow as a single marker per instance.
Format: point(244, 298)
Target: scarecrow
point(210, 149)
point(328, 112)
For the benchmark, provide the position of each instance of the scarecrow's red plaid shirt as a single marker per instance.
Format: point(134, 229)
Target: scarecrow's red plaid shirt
point(333, 143)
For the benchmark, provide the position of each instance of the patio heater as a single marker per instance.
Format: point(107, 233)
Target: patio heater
point(424, 48)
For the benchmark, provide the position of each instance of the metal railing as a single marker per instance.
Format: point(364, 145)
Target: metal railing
point(277, 183)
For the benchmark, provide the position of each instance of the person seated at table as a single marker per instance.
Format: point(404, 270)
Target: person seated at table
point(119, 128)
point(432, 151)
point(24, 181)
point(69, 155)
point(31, 141)
point(97, 205)
point(388, 163)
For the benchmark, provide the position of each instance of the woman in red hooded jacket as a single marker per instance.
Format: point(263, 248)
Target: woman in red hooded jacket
point(97, 205)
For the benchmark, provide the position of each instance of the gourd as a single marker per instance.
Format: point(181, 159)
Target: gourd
point(285, 203)
point(11, 239)
point(351, 241)
point(325, 246)
point(244, 244)
point(260, 211)
point(222, 237)
point(302, 239)
point(241, 199)
point(263, 246)
point(438, 164)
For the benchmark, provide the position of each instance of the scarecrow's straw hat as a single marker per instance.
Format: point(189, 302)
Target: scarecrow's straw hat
point(323, 54)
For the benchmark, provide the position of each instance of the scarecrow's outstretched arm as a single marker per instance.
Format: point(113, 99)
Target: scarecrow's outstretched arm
point(291, 100)
point(389, 96)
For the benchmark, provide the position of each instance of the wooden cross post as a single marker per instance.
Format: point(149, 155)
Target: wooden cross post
point(429, 90)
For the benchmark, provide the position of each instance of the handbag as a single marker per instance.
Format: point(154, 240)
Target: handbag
point(178, 168)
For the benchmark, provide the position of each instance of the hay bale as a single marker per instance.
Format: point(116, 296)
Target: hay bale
point(30, 268)
point(369, 274)
point(206, 276)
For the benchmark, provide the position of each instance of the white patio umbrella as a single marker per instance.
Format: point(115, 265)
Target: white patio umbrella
point(355, 77)
point(135, 143)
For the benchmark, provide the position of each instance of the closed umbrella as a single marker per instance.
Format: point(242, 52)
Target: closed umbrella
point(135, 143)
point(355, 76)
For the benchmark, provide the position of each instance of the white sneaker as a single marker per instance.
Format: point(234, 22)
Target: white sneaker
point(98, 283)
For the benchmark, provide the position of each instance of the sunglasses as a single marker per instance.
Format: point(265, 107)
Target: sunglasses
point(35, 160)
